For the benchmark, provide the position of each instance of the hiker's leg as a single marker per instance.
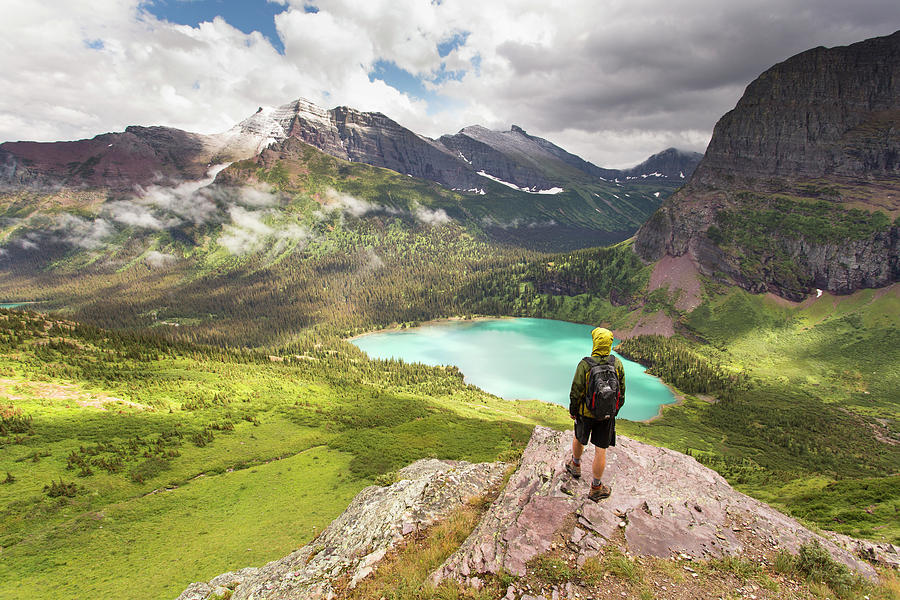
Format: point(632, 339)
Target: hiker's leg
point(577, 448)
point(599, 462)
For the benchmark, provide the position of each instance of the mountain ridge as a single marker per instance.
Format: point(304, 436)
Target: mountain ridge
point(342, 131)
point(800, 186)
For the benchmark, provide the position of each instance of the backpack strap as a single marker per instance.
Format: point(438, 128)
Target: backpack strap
point(590, 361)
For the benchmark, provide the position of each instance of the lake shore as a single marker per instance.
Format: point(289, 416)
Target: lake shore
point(552, 346)
point(402, 327)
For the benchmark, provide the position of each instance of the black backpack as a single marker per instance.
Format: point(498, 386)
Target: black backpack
point(601, 395)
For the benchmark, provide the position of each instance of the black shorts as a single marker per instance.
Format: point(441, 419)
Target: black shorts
point(600, 433)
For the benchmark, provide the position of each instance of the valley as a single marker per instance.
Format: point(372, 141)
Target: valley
point(184, 401)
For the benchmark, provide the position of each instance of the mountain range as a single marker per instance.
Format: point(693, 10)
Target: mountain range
point(561, 201)
point(463, 161)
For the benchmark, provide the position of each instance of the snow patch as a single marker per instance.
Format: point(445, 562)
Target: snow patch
point(533, 190)
point(462, 156)
point(646, 175)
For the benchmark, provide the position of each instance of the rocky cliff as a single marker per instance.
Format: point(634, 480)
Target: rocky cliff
point(664, 503)
point(801, 181)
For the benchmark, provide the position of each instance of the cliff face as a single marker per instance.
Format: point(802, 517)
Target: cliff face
point(374, 139)
point(801, 181)
point(824, 112)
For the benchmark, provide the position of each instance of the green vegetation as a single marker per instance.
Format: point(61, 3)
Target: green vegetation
point(820, 222)
point(404, 573)
point(815, 565)
point(134, 441)
point(794, 405)
point(762, 233)
point(222, 407)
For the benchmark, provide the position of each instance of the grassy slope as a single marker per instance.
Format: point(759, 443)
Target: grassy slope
point(329, 423)
point(823, 378)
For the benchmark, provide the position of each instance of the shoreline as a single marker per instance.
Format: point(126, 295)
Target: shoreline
point(679, 398)
point(679, 401)
point(440, 321)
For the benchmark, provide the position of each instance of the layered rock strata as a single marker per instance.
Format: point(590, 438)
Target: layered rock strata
point(663, 504)
point(821, 127)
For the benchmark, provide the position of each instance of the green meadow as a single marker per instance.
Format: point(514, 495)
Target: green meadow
point(147, 464)
point(795, 404)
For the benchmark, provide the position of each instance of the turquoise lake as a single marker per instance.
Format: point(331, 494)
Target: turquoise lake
point(516, 359)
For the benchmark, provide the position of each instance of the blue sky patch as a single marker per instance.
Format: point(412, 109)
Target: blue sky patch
point(448, 46)
point(404, 81)
point(245, 15)
point(94, 44)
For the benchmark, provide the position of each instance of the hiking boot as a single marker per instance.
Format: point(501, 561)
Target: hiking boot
point(599, 492)
point(573, 469)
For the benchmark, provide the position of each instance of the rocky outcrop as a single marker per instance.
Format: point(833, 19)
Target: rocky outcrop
point(378, 517)
point(663, 504)
point(666, 503)
point(823, 126)
point(370, 138)
point(516, 157)
point(141, 155)
point(823, 112)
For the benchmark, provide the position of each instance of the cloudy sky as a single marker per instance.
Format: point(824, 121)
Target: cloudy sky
point(611, 80)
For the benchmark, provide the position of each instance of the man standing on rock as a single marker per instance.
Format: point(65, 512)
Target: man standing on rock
point(600, 431)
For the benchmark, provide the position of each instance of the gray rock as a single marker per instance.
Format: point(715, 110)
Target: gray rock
point(883, 553)
point(668, 502)
point(196, 591)
point(824, 125)
point(352, 545)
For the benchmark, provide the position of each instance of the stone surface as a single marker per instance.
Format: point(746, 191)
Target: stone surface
point(670, 163)
point(667, 503)
point(883, 553)
point(823, 125)
point(352, 544)
point(825, 111)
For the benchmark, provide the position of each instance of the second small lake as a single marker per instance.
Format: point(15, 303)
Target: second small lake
point(515, 359)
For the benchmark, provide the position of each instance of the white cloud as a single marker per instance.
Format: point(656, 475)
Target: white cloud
point(184, 201)
point(86, 233)
point(160, 260)
point(259, 196)
point(133, 215)
point(333, 200)
point(431, 216)
point(247, 232)
point(612, 82)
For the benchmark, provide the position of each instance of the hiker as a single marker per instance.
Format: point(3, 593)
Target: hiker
point(600, 431)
